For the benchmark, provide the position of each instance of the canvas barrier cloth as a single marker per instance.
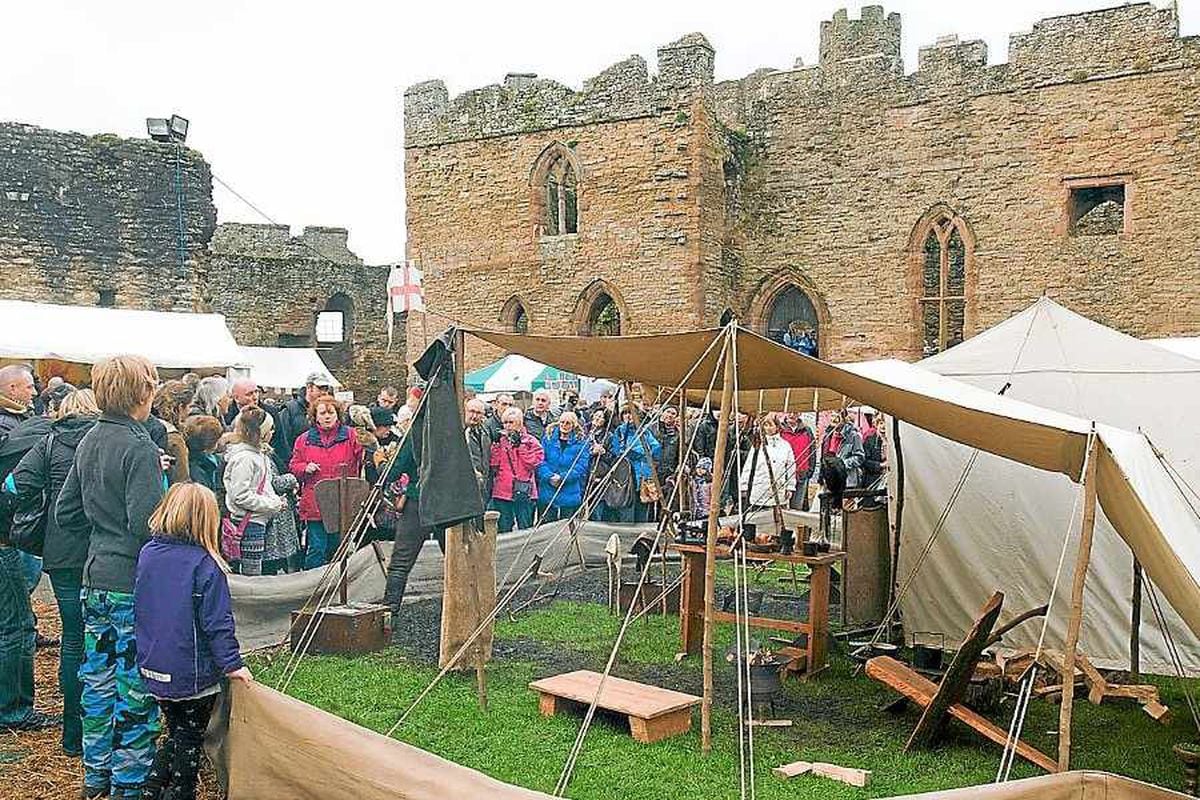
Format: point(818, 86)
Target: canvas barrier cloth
point(1077, 785)
point(1151, 518)
point(266, 745)
point(262, 605)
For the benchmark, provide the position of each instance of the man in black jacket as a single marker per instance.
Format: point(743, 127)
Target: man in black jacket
point(293, 419)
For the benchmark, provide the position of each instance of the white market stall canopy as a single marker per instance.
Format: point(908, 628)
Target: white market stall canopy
point(87, 334)
point(283, 367)
point(516, 373)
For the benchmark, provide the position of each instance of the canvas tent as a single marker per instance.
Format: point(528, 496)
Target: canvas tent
point(1183, 345)
point(1008, 522)
point(1145, 507)
point(283, 367)
point(86, 334)
point(516, 373)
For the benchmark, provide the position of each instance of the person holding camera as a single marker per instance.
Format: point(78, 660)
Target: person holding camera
point(515, 459)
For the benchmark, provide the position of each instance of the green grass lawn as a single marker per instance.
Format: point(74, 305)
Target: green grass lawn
point(836, 719)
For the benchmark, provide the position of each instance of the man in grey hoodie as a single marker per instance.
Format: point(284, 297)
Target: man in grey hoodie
point(113, 487)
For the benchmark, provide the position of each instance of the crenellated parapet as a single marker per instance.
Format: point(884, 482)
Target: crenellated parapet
point(873, 39)
point(524, 102)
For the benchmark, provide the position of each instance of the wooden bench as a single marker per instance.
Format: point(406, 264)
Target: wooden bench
point(653, 713)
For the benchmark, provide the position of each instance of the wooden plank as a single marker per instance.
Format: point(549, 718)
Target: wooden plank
point(622, 696)
point(847, 775)
point(921, 691)
point(1143, 693)
point(723, 551)
point(547, 704)
point(1158, 712)
point(954, 684)
point(901, 678)
point(1096, 684)
point(765, 622)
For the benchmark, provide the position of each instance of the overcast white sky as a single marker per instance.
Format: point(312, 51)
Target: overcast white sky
point(297, 105)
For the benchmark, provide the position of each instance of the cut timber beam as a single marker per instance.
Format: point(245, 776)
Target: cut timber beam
point(954, 685)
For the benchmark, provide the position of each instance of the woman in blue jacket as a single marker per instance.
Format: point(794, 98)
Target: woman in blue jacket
point(641, 449)
point(561, 476)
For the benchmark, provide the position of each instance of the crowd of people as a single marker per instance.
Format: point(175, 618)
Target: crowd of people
point(116, 490)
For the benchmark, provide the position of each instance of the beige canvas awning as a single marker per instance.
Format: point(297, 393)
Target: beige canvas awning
point(1137, 495)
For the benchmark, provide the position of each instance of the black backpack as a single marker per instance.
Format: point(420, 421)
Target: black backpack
point(13, 447)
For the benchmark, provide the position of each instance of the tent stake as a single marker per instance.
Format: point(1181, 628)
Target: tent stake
point(710, 549)
point(1086, 528)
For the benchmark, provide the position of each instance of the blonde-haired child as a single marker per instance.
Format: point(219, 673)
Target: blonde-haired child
point(185, 633)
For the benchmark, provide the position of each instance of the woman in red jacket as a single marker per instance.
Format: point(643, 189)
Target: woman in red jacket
point(328, 449)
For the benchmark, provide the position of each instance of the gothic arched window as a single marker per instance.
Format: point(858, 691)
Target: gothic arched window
point(943, 285)
point(555, 186)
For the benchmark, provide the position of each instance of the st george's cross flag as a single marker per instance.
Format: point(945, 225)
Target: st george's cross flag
point(404, 293)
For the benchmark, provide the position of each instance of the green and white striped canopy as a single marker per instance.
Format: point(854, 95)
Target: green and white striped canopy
point(515, 373)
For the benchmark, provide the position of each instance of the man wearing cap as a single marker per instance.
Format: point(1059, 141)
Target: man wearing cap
point(293, 420)
point(383, 423)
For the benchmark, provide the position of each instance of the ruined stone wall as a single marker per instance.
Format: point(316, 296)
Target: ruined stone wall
point(270, 286)
point(81, 214)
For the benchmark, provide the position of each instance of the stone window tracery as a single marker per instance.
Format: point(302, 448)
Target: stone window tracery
point(943, 286)
point(514, 316)
point(562, 198)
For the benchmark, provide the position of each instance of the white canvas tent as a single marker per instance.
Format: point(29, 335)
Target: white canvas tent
point(87, 334)
point(1183, 345)
point(283, 367)
point(1008, 523)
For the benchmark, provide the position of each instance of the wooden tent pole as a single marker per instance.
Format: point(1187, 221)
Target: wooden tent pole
point(710, 549)
point(898, 451)
point(460, 395)
point(1135, 621)
point(1075, 621)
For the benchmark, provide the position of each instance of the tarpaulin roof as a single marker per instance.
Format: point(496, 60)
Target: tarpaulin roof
point(87, 334)
point(1153, 518)
point(284, 367)
point(516, 373)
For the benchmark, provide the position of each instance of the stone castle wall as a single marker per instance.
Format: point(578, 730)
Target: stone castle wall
point(91, 219)
point(84, 214)
point(270, 286)
point(821, 176)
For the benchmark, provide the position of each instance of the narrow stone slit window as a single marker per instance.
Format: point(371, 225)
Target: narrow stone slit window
point(1096, 210)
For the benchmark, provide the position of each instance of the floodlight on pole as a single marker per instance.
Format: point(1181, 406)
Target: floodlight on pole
point(179, 128)
point(159, 129)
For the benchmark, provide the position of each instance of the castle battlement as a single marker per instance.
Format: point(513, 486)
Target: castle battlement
point(275, 242)
point(860, 59)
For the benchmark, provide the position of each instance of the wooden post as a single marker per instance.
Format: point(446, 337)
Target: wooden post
point(710, 552)
point(1135, 622)
point(899, 453)
point(1075, 621)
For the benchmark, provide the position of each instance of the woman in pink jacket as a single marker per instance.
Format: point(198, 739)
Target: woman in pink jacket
point(328, 449)
point(515, 460)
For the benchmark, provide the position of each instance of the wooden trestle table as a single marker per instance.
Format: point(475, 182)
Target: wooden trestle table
point(691, 610)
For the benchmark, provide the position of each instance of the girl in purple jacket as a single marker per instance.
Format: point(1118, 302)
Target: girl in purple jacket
point(185, 634)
